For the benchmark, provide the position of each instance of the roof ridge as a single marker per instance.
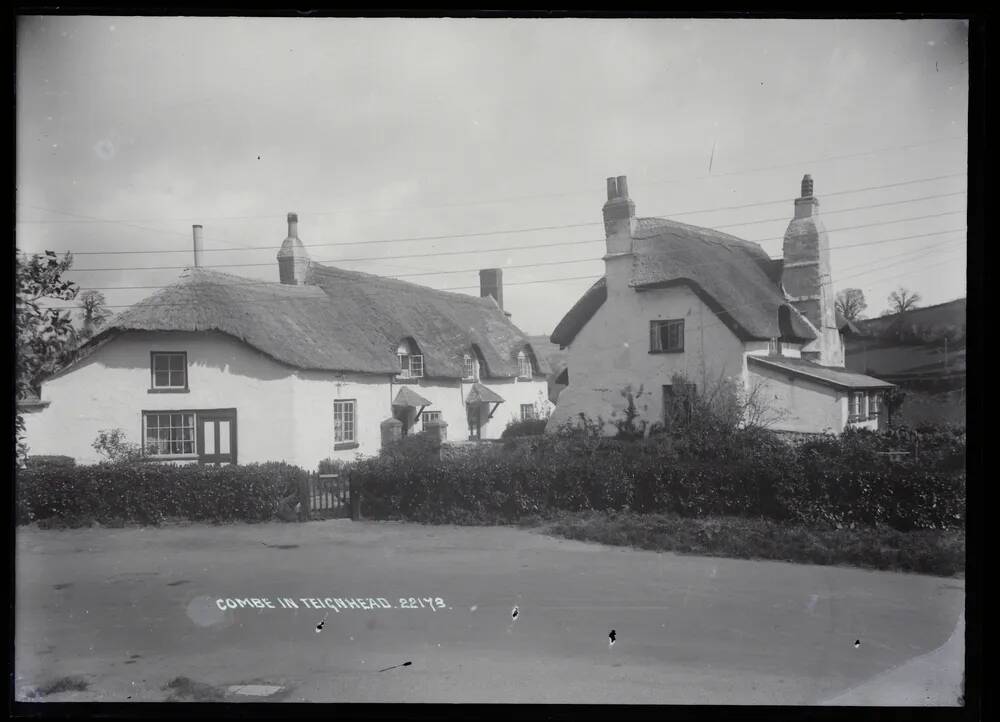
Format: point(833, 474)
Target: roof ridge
point(324, 268)
point(703, 229)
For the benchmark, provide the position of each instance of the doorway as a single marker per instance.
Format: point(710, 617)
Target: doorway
point(217, 437)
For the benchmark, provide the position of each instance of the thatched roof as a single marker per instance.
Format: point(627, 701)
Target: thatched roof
point(835, 376)
point(734, 277)
point(340, 321)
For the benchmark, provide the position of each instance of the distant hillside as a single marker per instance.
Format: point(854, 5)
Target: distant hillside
point(921, 325)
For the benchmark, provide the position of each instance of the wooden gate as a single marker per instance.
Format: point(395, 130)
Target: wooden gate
point(328, 496)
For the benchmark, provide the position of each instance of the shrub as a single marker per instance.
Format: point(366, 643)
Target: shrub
point(35, 462)
point(528, 427)
point(748, 472)
point(146, 493)
point(113, 445)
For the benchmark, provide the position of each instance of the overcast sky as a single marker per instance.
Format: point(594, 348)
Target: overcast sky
point(130, 130)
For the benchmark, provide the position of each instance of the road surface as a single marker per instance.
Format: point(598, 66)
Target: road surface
point(129, 610)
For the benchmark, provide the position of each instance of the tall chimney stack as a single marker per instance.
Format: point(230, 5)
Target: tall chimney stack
point(293, 260)
point(199, 246)
point(806, 280)
point(619, 226)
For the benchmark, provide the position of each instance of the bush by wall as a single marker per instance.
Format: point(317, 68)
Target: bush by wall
point(528, 427)
point(116, 494)
point(835, 482)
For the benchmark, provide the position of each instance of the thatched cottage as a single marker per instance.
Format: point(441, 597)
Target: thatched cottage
point(326, 363)
point(681, 301)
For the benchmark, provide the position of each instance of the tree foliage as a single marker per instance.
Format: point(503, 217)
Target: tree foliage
point(902, 300)
point(93, 312)
point(851, 303)
point(44, 334)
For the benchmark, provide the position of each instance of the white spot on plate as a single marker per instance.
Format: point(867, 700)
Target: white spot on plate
point(204, 612)
point(254, 690)
point(474, 607)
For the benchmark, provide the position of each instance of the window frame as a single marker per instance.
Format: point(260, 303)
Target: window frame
point(153, 388)
point(524, 359)
point(532, 416)
point(774, 346)
point(856, 407)
point(423, 417)
point(874, 404)
point(344, 442)
point(656, 335)
point(194, 454)
point(469, 360)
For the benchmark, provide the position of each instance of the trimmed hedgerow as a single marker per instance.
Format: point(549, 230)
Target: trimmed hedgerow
point(836, 482)
point(116, 494)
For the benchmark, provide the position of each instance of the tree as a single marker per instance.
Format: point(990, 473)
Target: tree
point(850, 303)
point(94, 312)
point(902, 300)
point(43, 334)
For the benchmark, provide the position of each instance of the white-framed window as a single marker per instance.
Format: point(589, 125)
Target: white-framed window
point(168, 370)
point(411, 361)
point(525, 369)
point(857, 406)
point(666, 336)
point(169, 433)
point(774, 347)
point(470, 368)
point(528, 412)
point(427, 416)
point(874, 404)
point(344, 421)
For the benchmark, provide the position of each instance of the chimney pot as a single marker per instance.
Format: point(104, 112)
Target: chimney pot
point(491, 284)
point(622, 187)
point(197, 233)
point(807, 186)
point(293, 225)
point(612, 189)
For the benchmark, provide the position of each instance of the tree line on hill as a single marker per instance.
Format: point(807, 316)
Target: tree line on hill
point(899, 322)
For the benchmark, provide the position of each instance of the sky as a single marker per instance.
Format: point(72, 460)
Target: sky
point(386, 134)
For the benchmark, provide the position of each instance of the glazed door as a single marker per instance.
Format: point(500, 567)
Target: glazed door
point(217, 437)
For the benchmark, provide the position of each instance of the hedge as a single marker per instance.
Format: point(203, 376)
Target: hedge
point(842, 481)
point(116, 494)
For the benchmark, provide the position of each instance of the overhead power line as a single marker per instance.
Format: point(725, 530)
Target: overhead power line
point(530, 265)
point(491, 250)
point(534, 196)
point(520, 230)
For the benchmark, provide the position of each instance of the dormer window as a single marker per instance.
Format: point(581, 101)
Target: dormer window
point(525, 369)
point(470, 368)
point(411, 361)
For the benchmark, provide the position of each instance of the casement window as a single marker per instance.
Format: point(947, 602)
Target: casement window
point(856, 411)
point(774, 347)
point(874, 405)
point(470, 368)
point(344, 422)
point(411, 361)
point(169, 433)
point(525, 369)
point(528, 412)
point(428, 416)
point(168, 371)
point(666, 336)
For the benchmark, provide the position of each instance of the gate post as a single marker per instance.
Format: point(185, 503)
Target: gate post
point(305, 496)
point(354, 485)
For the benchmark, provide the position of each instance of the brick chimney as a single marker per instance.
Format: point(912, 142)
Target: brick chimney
point(491, 284)
point(199, 245)
point(293, 261)
point(619, 226)
point(806, 278)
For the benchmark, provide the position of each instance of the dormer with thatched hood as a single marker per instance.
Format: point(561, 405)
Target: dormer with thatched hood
point(806, 279)
point(293, 260)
